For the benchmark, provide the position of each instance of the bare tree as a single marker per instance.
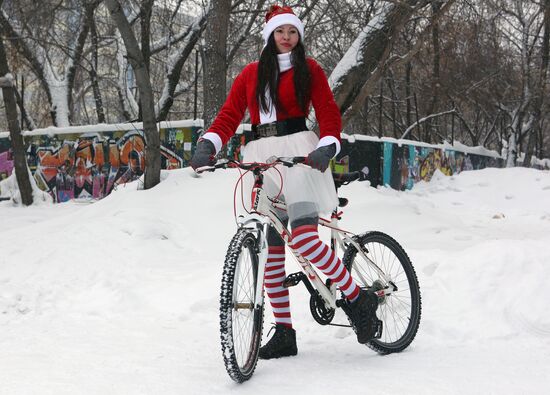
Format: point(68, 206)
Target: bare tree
point(136, 59)
point(363, 64)
point(56, 78)
point(176, 60)
point(20, 161)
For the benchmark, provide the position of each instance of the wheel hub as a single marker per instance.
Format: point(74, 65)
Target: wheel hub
point(377, 285)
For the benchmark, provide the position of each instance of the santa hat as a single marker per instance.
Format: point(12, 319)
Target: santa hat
point(279, 16)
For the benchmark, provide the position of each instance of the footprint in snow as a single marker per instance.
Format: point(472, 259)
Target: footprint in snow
point(430, 269)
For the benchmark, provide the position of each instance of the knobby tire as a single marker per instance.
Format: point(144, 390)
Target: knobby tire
point(240, 327)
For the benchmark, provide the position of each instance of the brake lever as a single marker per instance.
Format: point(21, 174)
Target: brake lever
point(220, 164)
point(203, 169)
point(288, 162)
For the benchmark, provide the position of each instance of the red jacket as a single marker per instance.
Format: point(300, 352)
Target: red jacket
point(243, 96)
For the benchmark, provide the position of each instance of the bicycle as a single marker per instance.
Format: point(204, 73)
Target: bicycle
point(374, 259)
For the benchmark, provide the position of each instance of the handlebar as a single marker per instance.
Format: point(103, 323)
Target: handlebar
point(345, 178)
point(339, 178)
point(271, 162)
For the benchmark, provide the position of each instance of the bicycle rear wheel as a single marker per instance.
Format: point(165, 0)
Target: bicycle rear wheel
point(400, 311)
point(240, 321)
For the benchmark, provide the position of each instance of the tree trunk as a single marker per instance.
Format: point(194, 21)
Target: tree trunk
point(146, 11)
point(135, 57)
point(434, 103)
point(93, 73)
point(512, 150)
point(369, 51)
point(541, 87)
point(408, 93)
point(19, 155)
point(215, 59)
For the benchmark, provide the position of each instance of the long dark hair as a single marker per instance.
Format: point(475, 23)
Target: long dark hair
point(268, 75)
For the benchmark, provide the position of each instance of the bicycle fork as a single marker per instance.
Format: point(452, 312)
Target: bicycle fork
point(262, 261)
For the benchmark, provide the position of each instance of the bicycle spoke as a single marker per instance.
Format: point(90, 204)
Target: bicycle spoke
point(399, 310)
point(239, 326)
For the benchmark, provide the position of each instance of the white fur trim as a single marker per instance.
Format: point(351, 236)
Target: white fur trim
point(328, 140)
point(215, 139)
point(280, 20)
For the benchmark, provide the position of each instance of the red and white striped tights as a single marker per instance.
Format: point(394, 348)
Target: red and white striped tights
point(305, 239)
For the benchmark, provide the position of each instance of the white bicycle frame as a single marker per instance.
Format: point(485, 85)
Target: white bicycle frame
point(262, 215)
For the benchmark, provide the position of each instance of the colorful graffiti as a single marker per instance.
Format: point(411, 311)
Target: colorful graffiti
point(91, 165)
point(406, 165)
point(6, 164)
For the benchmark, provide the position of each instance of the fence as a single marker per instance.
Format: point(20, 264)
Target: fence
point(84, 162)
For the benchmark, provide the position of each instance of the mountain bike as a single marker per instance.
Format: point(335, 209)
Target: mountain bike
point(375, 260)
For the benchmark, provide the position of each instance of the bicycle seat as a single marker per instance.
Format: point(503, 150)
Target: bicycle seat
point(342, 202)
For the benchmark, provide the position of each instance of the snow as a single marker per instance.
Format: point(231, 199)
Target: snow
point(10, 189)
point(106, 127)
point(121, 296)
point(7, 80)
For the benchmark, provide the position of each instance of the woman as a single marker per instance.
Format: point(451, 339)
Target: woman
point(278, 91)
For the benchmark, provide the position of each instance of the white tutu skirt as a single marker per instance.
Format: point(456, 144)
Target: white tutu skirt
point(300, 184)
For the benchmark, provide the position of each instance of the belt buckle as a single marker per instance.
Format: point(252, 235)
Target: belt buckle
point(269, 130)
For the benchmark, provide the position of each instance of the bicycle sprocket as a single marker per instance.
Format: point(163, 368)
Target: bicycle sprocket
point(320, 313)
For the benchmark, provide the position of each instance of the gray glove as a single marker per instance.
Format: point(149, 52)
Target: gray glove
point(204, 155)
point(320, 158)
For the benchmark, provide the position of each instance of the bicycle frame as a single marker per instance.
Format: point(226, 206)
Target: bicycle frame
point(262, 215)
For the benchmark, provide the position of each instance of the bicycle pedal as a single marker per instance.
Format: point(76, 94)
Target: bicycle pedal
point(343, 304)
point(293, 279)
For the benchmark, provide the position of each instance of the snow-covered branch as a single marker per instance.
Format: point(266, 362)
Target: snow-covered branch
point(422, 120)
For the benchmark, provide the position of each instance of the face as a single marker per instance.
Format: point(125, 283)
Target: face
point(286, 38)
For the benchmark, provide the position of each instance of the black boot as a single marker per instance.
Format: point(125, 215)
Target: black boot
point(362, 314)
point(282, 344)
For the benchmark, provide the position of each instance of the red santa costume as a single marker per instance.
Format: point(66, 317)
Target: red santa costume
point(301, 184)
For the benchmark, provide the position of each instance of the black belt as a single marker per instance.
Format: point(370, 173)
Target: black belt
point(279, 128)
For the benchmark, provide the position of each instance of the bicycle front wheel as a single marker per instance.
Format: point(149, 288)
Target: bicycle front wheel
point(399, 311)
point(241, 321)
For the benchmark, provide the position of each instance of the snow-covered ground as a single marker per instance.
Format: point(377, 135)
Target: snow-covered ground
point(121, 296)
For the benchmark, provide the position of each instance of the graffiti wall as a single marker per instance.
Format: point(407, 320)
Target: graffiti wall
point(90, 165)
point(405, 165)
point(6, 159)
point(390, 162)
